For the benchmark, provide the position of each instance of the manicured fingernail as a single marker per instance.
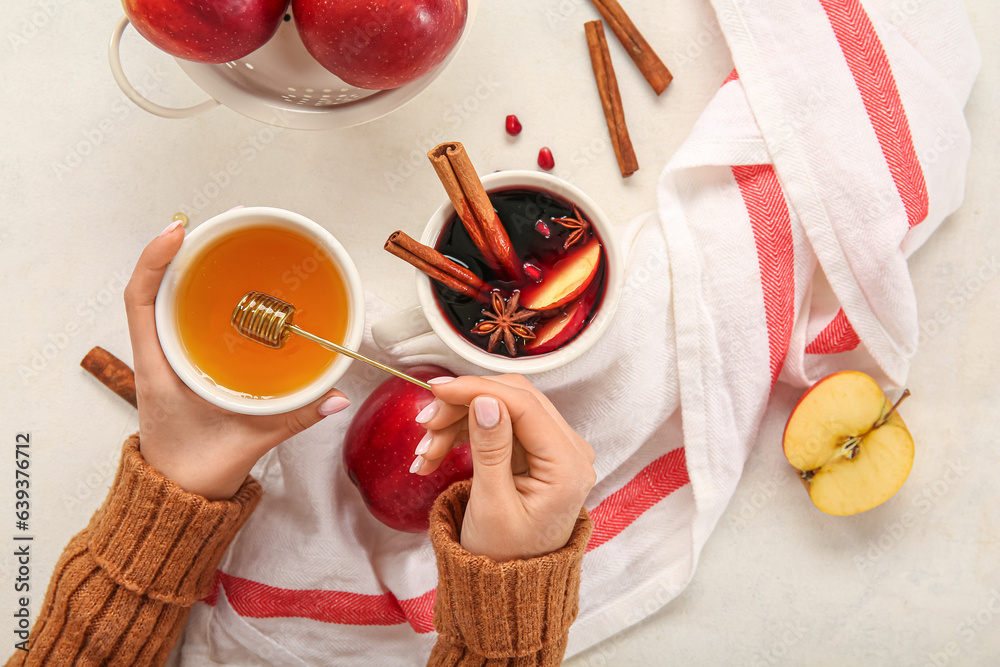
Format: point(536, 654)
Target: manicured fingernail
point(423, 445)
point(440, 380)
point(428, 412)
point(171, 227)
point(487, 412)
point(416, 465)
point(333, 405)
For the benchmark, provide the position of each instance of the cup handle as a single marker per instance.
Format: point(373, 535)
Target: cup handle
point(395, 329)
point(114, 57)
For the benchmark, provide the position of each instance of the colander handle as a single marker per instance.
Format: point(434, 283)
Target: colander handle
point(114, 57)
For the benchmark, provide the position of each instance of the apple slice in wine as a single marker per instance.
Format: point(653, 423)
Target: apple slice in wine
point(567, 280)
point(559, 330)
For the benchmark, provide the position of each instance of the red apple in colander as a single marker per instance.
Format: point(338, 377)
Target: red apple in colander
point(206, 31)
point(380, 44)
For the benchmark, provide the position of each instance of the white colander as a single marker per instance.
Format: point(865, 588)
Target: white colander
point(281, 84)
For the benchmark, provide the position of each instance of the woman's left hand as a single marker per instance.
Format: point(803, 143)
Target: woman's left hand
point(203, 448)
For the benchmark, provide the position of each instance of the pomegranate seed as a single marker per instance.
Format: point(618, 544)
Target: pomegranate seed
point(513, 125)
point(545, 159)
point(533, 272)
point(543, 229)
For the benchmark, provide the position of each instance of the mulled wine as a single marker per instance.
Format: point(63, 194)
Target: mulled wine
point(554, 292)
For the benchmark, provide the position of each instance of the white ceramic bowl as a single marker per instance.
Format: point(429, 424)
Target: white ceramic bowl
point(281, 84)
point(194, 244)
point(615, 274)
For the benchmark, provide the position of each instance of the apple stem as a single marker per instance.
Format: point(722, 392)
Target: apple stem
point(885, 417)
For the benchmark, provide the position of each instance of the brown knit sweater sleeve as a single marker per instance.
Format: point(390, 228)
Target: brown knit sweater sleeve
point(123, 587)
point(511, 614)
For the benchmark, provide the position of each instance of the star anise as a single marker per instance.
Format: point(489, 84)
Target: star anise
point(505, 321)
point(579, 226)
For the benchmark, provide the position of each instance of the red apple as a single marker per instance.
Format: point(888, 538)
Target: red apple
point(567, 280)
point(378, 451)
point(206, 31)
point(379, 44)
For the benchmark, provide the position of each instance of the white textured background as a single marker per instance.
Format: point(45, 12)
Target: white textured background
point(86, 179)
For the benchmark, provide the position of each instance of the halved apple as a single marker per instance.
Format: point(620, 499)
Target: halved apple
point(567, 279)
point(848, 443)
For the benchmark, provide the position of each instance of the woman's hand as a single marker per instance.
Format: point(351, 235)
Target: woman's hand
point(203, 448)
point(532, 472)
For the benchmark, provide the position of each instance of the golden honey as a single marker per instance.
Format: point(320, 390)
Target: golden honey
point(277, 261)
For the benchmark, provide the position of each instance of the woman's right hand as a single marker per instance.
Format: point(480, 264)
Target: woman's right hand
point(532, 472)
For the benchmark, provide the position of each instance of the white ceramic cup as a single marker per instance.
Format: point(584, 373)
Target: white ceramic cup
point(194, 244)
point(428, 317)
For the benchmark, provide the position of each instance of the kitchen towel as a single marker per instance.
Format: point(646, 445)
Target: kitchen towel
point(776, 252)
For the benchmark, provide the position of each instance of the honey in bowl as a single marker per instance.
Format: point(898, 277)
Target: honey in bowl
point(276, 261)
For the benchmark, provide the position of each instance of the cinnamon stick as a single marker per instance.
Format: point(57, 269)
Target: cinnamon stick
point(611, 99)
point(656, 73)
point(434, 264)
point(112, 372)
point(474, 208)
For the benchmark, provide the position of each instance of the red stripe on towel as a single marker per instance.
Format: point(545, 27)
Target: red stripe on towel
point(872, 74)
point(870, 67)
point(772, 232)
point(419, 611)
point(653, 483)
point(837, 336)
point(252, 599)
